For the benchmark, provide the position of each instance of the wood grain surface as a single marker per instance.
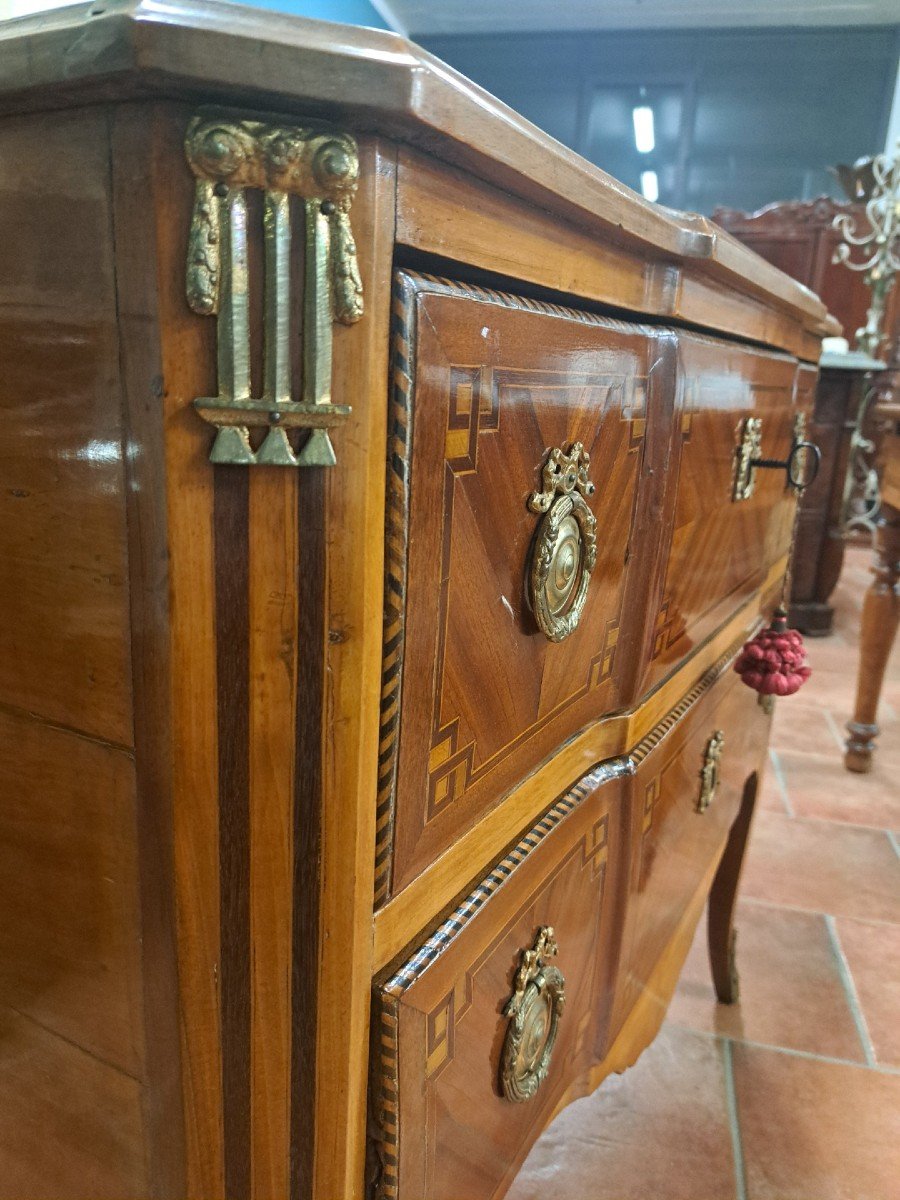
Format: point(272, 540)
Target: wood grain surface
point(484, 695)
point(613, 867)
point(236, 705)
point(369, 80)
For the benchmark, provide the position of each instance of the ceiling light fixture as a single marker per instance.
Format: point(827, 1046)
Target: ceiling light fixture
point(644, 136)
point(650, 185)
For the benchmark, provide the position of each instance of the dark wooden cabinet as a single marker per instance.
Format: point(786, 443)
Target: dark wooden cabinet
point(845, 381)
point(800, 238)
point(374, 564)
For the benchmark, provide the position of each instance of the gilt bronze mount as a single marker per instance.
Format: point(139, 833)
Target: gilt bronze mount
point(319, 166)
point(534, 1010)
point(709, 771)
point(565, 548)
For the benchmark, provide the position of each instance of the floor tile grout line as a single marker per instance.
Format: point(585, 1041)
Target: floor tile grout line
point(832, 822)
point(748, 899)
point(878, 1068)
point(833, 726)
point(737, 1148)
point(781, 781)
point(850, 991)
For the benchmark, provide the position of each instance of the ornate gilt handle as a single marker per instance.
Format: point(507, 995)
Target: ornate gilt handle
point(565, 545)
point(534, 1010)
point(709, 772)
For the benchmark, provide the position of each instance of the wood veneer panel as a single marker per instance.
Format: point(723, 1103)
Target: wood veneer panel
point(673, 844)
point(449, 213)
point(721, 549)
point(274, 624)
point(70, 1125)
point(494, 384)
point(168, 357)
point(69, 937)
point(446, 1129)
point(63, 589)
point(354, 541)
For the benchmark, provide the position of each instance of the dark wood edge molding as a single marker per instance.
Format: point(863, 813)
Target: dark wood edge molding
point(232, 535)
point(439, 285)
point(395, 562)
point(652, 739)
point(307, 830)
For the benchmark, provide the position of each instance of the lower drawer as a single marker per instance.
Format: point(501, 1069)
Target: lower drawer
point(477, 1036)
point(687, 788)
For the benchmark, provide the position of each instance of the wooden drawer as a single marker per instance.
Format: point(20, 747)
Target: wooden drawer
point(722, 549)
point(678, 833)
point(446, 1130)
point(475, 694)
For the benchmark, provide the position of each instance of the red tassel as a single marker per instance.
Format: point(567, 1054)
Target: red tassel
point(774, 662)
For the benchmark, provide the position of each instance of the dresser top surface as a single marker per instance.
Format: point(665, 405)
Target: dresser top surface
point(376, 82)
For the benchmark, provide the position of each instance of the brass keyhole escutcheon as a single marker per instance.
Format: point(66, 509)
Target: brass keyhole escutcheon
point(534, 1010)
point(709, 772)
point(565, 546)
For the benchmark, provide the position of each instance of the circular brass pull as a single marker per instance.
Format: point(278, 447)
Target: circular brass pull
point(534, 1010)
point(565, 546)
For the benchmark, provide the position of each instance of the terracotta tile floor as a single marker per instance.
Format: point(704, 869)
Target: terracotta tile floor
point(793, 1094)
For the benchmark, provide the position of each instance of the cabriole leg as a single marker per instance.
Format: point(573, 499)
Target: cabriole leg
point(723, 897)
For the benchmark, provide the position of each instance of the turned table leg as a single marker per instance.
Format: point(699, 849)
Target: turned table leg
point(720, 929)
point(880, 617)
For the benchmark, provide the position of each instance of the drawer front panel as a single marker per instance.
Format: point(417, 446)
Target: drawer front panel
point(440, 1027)
point(721, 548)
point(684, 799)
point(476, 694)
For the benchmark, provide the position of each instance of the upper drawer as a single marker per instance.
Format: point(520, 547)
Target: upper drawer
point(486, 387)
point(722, 548)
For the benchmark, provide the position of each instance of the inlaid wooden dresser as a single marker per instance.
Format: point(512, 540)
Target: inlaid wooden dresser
point(378, 524)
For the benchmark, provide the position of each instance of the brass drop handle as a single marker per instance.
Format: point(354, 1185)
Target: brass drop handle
point(565, 546)
point(709, 771)
point(534, 1010)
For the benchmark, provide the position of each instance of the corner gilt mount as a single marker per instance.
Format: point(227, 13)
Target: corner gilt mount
point(320, 167)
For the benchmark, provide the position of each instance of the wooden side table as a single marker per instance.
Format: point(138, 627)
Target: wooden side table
point(881, 610)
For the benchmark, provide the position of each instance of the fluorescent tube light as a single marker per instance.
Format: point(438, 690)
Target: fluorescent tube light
point(650, 185)
point(644, 137)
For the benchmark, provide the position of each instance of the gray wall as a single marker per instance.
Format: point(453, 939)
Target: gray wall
point(743, 117)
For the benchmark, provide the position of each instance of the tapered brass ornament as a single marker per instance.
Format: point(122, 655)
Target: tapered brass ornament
point(709, 772)
point(564, 552)
point(749, 448)
point(319, 166)
point(534, 1011)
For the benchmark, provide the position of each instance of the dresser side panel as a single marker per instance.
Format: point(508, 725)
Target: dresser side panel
point(71, 1005)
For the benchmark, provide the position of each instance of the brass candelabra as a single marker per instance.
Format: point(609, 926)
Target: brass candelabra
point(874, 250)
